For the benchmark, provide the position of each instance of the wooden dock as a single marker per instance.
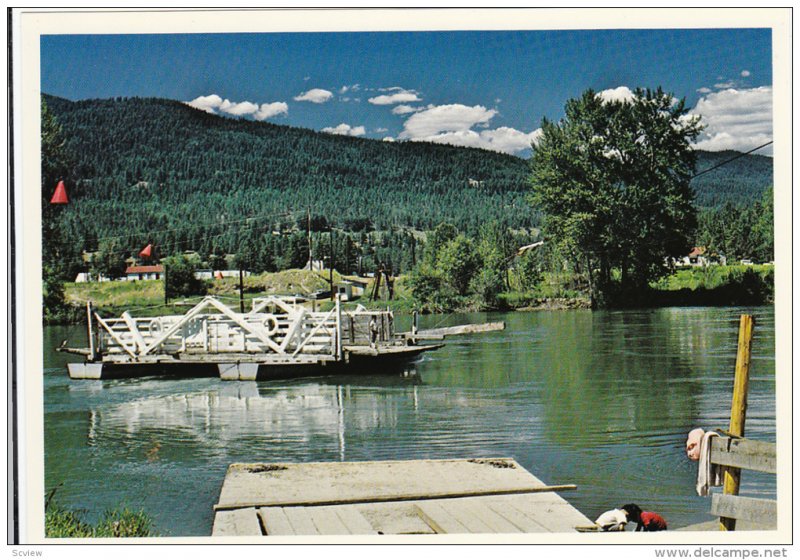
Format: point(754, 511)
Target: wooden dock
point(459, 496)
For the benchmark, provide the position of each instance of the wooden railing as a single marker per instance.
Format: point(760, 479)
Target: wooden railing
point(273, 325)
point(744, 454)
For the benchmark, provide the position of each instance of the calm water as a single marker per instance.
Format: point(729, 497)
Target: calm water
point(599, 399)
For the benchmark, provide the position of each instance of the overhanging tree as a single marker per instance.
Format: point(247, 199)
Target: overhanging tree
point(612, 178)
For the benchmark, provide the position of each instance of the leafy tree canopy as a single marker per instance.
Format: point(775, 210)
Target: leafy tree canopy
point(612, 178)
point(180, 280)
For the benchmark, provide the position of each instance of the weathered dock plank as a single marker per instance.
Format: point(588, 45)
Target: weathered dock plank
point(395, 519)
point(326, 521)
point(439, 519)
point(461, 513)
point(459, 329)
point(456, 496)
point(355, 521)
point(301, 521)
point(236, 523)
point(552, 512)
point(516, 517)
point(757, 510)
point(744, 454)
point(478, 510)
point(275, 521)
point(292, 484)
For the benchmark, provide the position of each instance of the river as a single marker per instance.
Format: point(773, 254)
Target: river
point(600, 399)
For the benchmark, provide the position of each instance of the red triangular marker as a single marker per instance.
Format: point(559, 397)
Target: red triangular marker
point(60, 196)
point(147, 252)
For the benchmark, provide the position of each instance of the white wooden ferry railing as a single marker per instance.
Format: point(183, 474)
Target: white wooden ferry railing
point(273, 325)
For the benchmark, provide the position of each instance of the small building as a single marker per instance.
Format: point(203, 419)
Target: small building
point(699, 256)
point(90, 277)
point(354, 287)
point(345, 291)
point(144, 272)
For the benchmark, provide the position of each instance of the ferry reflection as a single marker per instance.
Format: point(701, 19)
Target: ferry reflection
point(258, 414)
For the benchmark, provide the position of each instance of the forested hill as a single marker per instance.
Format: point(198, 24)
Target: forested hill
point(160, 161)
point(147, 165)
point(741, 181)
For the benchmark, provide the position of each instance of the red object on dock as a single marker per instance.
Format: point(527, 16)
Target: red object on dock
point(60, 196)
point(147, 252)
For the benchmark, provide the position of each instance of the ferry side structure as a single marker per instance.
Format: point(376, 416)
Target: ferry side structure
point(278, 337)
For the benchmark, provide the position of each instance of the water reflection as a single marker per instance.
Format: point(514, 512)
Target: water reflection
point(599, 399)
point(262, 415)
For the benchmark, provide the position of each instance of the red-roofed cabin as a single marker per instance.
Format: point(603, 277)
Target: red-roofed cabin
point(145, 272)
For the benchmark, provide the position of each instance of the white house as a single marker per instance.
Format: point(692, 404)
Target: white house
point(700, 257)
point(144, 272)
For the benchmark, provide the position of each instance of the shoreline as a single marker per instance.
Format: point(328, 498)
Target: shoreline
point(76, 314)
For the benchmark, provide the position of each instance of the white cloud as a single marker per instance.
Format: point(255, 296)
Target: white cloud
point(207, 103)
point(405, 109)
point(239, 109)
point(402, 96)
point(381, 129)
point(736, 119)
point(268, 110)
point(724, 85)
point(215, 104)
point(453, 124)
point(704, 90)
point(503, 139)
point(315, 95)
point(510, 140)
point(345, 130)
point(622, 93)
point(445, 118)
point(745, 73)
point(388, 139)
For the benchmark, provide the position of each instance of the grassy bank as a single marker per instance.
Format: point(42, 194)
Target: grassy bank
point(716, 285)
point(117, 523)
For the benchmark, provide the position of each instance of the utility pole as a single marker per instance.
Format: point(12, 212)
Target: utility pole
point(308, 229)
point(241, 290)
point(332, 263)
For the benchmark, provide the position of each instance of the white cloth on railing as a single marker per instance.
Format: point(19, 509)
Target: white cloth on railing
point(708, 474)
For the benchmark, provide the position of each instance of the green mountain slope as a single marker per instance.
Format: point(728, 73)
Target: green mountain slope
point(741, 181)
point(181, 163)
point(155, 170)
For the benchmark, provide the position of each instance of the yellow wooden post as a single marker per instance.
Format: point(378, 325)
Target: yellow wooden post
point(738, 407)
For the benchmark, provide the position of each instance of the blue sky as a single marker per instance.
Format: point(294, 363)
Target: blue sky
point(485, 89)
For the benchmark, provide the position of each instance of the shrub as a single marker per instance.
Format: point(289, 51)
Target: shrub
point(180, 277)
point(116, 523)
